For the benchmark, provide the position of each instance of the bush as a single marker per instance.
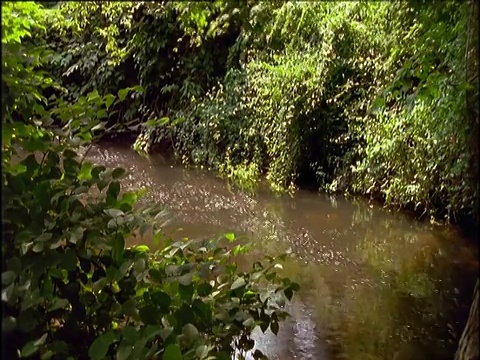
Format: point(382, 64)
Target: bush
point(71, 288)
point(289, 110)
point(368, 98)
point(174, 50)
point(416, 143)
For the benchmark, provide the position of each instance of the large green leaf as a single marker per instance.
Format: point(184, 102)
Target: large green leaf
point(122, 94)
point(99, 348)
point(239, 282)
point(172, 352)
point(85, 172)
point(124, 350)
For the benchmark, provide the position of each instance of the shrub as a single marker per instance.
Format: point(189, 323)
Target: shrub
point(368, 98)
point(416, 147)
point(71, 288)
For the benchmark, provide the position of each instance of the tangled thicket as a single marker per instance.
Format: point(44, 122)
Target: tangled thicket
point(375, 98)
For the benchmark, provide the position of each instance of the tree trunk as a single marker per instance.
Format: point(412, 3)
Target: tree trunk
point(468, 347)
point(472, 98)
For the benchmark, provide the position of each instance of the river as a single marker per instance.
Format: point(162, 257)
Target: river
point(376, 284)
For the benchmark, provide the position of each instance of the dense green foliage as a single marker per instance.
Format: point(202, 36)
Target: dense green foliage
point(71, 288)
point(373, 98)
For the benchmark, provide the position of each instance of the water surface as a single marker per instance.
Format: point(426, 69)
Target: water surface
point(375, 284)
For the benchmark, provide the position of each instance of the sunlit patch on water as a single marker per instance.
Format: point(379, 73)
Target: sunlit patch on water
point(375, 284)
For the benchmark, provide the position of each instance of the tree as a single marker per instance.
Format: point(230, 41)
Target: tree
point(468, 348)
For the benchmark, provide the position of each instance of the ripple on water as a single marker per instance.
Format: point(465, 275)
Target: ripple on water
point(375, 284)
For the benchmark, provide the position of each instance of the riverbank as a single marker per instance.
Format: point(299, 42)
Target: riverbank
point(467, 225)
point(364, 97)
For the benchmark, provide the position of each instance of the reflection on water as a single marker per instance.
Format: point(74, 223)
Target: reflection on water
point(375, 284)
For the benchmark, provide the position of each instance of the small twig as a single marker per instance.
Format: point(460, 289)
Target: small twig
point(86, 153)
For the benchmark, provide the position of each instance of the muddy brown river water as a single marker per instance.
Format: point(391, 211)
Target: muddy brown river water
point(375, 284)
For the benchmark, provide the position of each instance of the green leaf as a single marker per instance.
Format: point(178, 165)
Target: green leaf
point(186, 291)
point(201, 352)
point(190, 331)
point(29, 349)
point(69, 260)
point(155, 275)
point(264, 326)
point(99, 348)
point(7, 133)
point(152, 331)
point(85, 172)
point(41, 340)
point(101, 126)
point(138, 88)
point(118, 249)
point(172, 352)
point(295, 286)
point(141, 248)
point(288, 293)
point(265, 294)
point(47, 355)
point(118, 173)
point(249, 323)
point(202, 310)
point(139, 265)
point(124, 350)
point(156, 122)
point(149, 315)
point(71, 166)
point(114, 213)
point(204, 289)
point(238, 283)
point(230, 236)
point(44, 237)
point(26, 321)
point(9, 324)
point(58, 304)
point(76, 234)
point(122, 94)
point(111, 272)
point(26, 247)
point(94, 95)
point(113, 190)
point(130, 334)
point(69, 154)
point(8, 277)
point(122, 271)
point(186, 279)
point(109, 99)
point(97, 170)
point(80, 190)
point(138, 348)
point(17, 169)
point(173, 270)
point(274, 327)
point(166, 332)
point(97, 286)
point(38, 247)
point(130, 198)
point(64, 206)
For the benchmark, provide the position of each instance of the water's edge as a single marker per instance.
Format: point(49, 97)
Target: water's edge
point(376, 284)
